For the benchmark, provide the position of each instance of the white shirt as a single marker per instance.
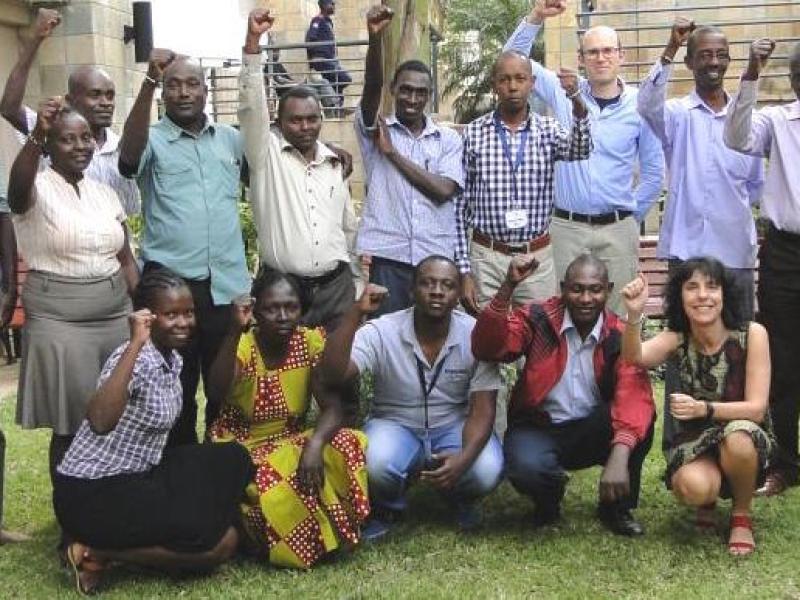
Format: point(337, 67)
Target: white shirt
point(69, 234)
point(302, 211)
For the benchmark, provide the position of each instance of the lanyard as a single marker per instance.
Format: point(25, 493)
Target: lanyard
point(427, 389)
point(515, 163)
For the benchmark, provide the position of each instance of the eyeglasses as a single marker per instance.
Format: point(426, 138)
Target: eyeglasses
point(605, 52)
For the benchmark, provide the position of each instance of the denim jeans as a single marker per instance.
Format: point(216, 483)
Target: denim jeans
point(396, 454)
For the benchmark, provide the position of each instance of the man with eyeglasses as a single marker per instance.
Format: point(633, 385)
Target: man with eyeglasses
point(711, 188)
point(598, 202)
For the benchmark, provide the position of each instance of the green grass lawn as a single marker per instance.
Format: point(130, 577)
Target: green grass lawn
point(426, 558)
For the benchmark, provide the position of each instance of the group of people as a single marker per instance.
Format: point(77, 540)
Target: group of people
point(530, 222)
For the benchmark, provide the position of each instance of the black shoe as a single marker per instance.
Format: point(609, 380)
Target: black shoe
point(620, 521)
point(544, 515)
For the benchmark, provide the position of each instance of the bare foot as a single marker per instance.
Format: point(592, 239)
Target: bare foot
point(12, 537)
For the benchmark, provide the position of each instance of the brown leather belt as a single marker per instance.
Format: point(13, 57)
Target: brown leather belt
point(533, 245)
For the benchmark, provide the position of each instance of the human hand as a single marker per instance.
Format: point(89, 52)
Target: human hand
point(382, 138)
point(615, 481)
point(685, 408)
point(371, 298)
point(8, 303)
point(48, 112)
point(160, 59)
point(545, 9)
point(568, 78)
point(760, 51)
point(634, 296)
point(682, 28)
point(469, 295)
point(141, 323)
point(378, 19)
point(242, 309)
point(259, 22)
point(46, 21)
point(520, 268)
point(344, 157)
point(310, 471)
point(447, 474)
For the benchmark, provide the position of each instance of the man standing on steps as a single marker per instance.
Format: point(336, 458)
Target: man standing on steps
point(322, 57)
point(91, 92)
point(598, 208)
point(509, 159)
point(413, 169)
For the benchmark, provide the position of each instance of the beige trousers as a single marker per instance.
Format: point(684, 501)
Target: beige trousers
point(489, 269)
point(616, 244)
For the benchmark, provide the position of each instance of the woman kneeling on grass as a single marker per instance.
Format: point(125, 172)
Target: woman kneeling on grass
point(717, 438)
point(308, 497)
point(117, 490)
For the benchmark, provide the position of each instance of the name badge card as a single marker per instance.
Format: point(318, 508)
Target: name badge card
point(516, 219)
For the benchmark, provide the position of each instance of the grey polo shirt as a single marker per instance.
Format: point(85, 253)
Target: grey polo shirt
point(388, 346)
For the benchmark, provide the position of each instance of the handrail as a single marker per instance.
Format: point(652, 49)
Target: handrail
point(639, 11)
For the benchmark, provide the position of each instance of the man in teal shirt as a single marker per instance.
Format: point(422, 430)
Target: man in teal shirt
point(188, 172)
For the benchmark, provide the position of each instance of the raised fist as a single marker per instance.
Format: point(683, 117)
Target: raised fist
point(48, 111)
point(259, 22)
point(378, 18)
point(372, 297)
point(760, 51)
point(545, 9)
point(520, 268)
point(140, 323)
point(635, 295)
point(46, 21)
point(160, 59)
point(681, 30)
point(568, 79)
point(242, 308)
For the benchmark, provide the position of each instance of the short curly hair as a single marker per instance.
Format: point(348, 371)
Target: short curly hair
point(732, 294)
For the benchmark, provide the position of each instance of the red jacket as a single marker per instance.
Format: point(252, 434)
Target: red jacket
point(534, 331)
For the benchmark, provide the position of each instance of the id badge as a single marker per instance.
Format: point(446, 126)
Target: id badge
point(516, 219)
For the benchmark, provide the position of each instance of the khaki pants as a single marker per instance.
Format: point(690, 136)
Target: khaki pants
point(489, 269)
point(616, 244)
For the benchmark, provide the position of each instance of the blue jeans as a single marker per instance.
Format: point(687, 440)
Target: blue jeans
point(396, 454)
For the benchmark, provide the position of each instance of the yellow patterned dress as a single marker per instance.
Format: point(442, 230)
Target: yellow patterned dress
point(265, 414)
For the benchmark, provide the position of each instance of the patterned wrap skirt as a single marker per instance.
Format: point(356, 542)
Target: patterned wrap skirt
point(72, 325)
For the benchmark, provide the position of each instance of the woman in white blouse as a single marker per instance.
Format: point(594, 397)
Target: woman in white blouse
point(71, 231)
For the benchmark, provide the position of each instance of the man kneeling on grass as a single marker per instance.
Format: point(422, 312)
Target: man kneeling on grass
point(434, 404)
point(577, 403)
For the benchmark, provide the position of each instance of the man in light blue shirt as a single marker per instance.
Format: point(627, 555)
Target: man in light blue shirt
point(598, 205)
point(712, 189)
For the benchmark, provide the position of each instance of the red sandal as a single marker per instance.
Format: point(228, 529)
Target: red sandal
point(741, 521)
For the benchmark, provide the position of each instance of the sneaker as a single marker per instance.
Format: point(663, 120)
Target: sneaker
point(546, 514)
point(468, 517)
point(374, 530)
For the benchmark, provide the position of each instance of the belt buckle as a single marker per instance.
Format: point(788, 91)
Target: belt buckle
point(519, 248)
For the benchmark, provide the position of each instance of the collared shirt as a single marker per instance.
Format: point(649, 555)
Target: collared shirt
point(137, 442)
point(4, 208)
point(302, 211)
point(576, 393)
point(489, 178)
point(104, 167)
point(190, 202)
point(773, 132)
point(388, 347)
point(399, 222)
point(711, 189)
point(607, 180)
point(68, 232)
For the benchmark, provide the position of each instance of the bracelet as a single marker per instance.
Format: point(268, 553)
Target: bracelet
point(636, 322)
point(36, 142)
point(709, 411)
point(666, 59)
point(574, 94)
point(149, 79)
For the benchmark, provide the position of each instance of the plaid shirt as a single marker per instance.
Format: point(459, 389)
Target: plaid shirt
point(135, 445)
point(489, 178)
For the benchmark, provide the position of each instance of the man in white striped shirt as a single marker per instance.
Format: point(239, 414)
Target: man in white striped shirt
point(90, 92)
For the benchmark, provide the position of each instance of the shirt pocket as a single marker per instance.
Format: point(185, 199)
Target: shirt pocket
point(229, 167)
point(176, 176)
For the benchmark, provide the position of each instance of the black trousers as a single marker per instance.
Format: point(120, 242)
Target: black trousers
point(212, 323)
point(537, 457)
point(779, 312)
point(395, 276)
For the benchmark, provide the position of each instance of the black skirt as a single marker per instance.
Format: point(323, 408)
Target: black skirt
point(185, 504)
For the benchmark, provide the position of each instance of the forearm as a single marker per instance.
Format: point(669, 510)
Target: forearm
point(732, 411)
point(498, 336)
point(632, 339)
point(136, 131)
point(11, 104)
point(254, 118)
point(23, 176)
point(336, 363)
point(740, 131)
point(130, 270)
point(523, 37)
point(436, 188)
point(330, 413)
point(8, 255)
point(578, 143)
point(478, 426)
point(652, 97)
point(373, 81)
point(109, 401)
point(223, 369)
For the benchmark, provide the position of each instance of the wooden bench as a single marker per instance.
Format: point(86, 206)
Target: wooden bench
point(656, 272)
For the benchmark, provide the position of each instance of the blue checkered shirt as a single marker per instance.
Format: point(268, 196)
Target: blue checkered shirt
point(135, 445)
point(489, 187)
